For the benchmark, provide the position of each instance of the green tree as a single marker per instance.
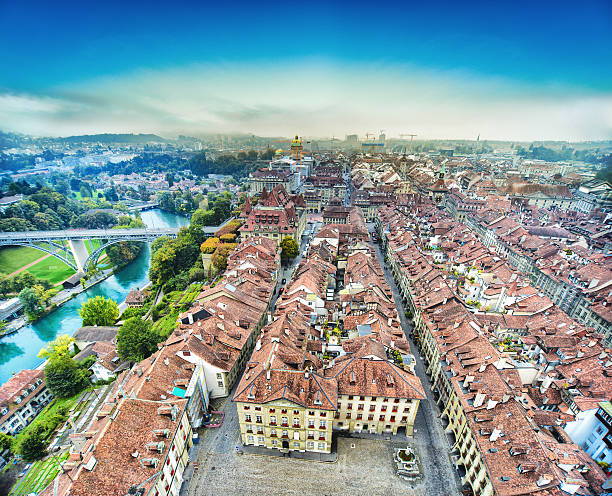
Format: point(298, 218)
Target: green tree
point(64, 377)
point(289, 247)
point(32, 304)
point(61, 345)
point(5, 442)
point(136, 340)
point(99, 311)
point(32, 445)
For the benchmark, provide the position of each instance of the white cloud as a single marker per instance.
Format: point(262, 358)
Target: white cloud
point(313, 98)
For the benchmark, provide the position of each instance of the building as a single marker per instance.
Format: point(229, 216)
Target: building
point(269, 179)
point(22, 397)
point(136, 298)
point(592, 430)
point(276, 215)
point(220, 329)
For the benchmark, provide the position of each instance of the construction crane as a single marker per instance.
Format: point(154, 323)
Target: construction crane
point(411, 138)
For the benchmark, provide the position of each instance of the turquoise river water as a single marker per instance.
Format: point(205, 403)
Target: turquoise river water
point(18, 351)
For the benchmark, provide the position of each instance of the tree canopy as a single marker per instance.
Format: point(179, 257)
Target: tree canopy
point(136, 340)
point(290, 248)
point(99, 311)
point(63, 376)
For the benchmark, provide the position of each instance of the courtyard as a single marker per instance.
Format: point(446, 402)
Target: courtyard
point(365, 469)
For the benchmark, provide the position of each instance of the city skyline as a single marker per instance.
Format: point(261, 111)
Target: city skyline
point(455, 72)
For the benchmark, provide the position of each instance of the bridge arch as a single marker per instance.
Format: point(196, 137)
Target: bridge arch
point(70, 263)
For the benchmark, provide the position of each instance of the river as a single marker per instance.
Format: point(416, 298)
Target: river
point(18, 351)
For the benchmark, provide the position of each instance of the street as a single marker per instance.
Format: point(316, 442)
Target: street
point(441, 477)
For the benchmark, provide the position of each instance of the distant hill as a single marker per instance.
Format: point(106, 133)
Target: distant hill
point(114, 138)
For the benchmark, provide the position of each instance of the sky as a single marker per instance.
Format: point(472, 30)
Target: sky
point(502, 70)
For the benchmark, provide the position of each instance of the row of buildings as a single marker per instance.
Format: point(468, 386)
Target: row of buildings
point(334, 357)
point(523, 387)
point(139, 436)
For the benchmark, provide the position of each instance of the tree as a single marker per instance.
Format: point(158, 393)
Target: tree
point(32, 445)
point(99, 311)
point(290, 248)
point(61, 345)
point(136, 340)
point(5, 442)
point(32, 304)
point(64, 377)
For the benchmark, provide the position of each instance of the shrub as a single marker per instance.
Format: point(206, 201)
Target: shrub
point(228, 238)
point(210, 245)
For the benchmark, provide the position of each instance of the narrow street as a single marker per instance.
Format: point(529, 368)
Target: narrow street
point(441, 477)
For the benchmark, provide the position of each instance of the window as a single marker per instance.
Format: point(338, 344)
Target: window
point(260, 429)
point(370, 417)
point(310, 445)
point(220, 384)
point(350, 397)
point(359, 416)
point(348, 415)
point(285, 433)
point(392, 418)
point(250, 439)
point(322, 424)
point(296, 422)
point(372, 408)
point(272, 419)
point(258, 409)
point(311, 413)
point(272, 410)
point(274, 442)
point(296, 444)
point(404, 418)
point(258, 419)
point(261, 440)
point(383, 408)
point(360, 406)
point(349, 406)
point(311, 423)
point(321, 446)
point(362, 398)
point(381, 418)
point(247, 407)
point(247, 417)
point(219, 376)
point(323, 414)
point(272, 432)
point(296, 412)
point(394, 409)
point(285, 421)
point(284, 410)
point(310, 435)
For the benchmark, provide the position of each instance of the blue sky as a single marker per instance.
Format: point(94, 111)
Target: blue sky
point(515, 70)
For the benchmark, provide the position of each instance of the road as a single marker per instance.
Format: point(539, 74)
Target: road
point(441, 477)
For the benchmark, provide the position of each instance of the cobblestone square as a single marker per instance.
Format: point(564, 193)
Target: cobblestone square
point(366, 469)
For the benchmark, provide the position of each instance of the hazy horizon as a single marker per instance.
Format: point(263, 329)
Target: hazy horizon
point(511, 74)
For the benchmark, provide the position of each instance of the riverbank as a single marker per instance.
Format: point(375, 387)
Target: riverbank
point(19, 350)
point(57, 301)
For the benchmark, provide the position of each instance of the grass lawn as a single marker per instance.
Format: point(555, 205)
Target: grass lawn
point(54, 414)
point(39, 476)
point(12, 258)
point(52, 269)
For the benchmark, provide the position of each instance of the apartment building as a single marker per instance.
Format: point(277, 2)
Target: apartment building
point(504, 439)
point(22, 397)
